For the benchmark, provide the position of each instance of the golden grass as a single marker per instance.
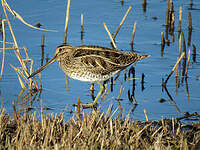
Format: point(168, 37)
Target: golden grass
point(4, 39)
point(94, 130)
point(133, 33)
point(22, 71)
point(66, 22)
point(16, 15)
point(177, 62)
point(112, 40)
point(121, 23)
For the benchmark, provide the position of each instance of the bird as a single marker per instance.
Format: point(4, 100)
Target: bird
point(90, 63)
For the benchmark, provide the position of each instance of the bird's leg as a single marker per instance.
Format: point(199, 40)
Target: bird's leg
point(96, 99)
point(92, 87)
point(105, 86)
point(92, 91)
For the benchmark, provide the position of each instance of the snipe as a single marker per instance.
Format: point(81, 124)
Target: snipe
point(91, 63)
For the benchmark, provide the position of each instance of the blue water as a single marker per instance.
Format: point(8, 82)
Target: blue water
point(147, 40)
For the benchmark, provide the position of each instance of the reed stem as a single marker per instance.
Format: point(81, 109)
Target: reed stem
point(133, 33)
point(121, 23)
point(112, 40)
point(66, 22)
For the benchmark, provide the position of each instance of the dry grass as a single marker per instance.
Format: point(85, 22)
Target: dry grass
point(95, 130)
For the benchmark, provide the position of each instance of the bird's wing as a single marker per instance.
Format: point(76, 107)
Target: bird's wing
point(105, 58)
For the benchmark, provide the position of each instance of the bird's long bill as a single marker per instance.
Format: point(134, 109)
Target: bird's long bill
point(52, 60)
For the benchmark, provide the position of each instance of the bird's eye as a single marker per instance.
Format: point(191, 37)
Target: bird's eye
point(60, 50)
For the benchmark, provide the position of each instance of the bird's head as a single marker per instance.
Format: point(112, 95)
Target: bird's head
point(61, 52)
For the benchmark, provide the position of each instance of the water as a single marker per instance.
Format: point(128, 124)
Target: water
point(147, 40)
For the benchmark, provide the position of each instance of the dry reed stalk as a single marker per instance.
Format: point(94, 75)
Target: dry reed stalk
point(189, 28)
point(122, 2)
point(179, 45)
point(26, 53)
point(42, 46)
point(66, 22)
point(47, 57)
point(108, 112)
point(167, 14)
point(15, 115)
point(134, 100)
point(186, 70)
point(31, 66)
point(179, 53)
point(100, 119)
point(133, 33)
point(39, 75)
point(162, 43)
point(145, 113)
point(173, 124)
point(170, 17)
point(16, 15)
point(111, 127)
point(187, 90)
point(121, 23)
point(8, 48)
point(171, 6)
point(112, 40)
point(144, 5)
point(144, 2)
point(8, 43)
point(162, 39)
point(191, 3)
point(82, 30)
point(20, 80)
point(194, 53)
point(189, 37)
point(40, 81)
point(190, 21)
point(172, 25)
point(184, 58)
point(156, 131)
point(180, 18)
point(4, 39)
point(137, 135)
point(17, 53)
point(78, 134)
point(80, 109)
point(167, 18)
point(110, 116)
point(178, 69)
point(165, 82)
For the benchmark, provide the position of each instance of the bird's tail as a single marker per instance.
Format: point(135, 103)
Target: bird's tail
point(142, 56)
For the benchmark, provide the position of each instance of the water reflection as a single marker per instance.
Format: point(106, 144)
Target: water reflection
point(25, 100)
point(172, 100)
